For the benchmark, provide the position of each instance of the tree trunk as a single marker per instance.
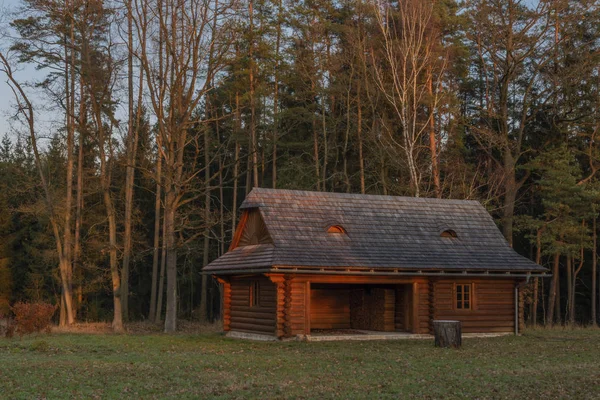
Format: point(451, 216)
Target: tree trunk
point(447, 333)
point(253, 138)
point(361, 159)
point(236, 168)
point(569, 308)
point(316, 143)
point(557, 306)
point(510, 196)
point(132, 140)
point(552, 295)
point(536, 283)
point(594, 271)
point(156, 249)
point(276, 95)
point(236, 165)
point(206, 247)
point(77, 272)
point(114, 269)
point(171, 264)
point(325, 144)
point(104, 145)
point(347, 134)
point(163, 264)
point(432, 137)
point(67, 293)
point(221, 197)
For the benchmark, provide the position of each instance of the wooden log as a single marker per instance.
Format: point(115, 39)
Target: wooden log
point(447, 333)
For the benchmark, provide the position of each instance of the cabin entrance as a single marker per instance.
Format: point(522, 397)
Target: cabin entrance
point(360, 307)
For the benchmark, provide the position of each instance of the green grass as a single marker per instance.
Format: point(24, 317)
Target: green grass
point(539, 364)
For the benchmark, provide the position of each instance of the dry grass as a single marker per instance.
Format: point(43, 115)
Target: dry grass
point(137, 328)
point(541, 364)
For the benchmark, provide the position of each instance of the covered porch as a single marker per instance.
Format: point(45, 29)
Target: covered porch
point(320, 307)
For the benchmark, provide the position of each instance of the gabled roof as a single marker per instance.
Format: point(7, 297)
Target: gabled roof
point(383, 233)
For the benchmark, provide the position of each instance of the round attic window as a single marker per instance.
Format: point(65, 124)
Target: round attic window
point(336, 229)
point(449, 233)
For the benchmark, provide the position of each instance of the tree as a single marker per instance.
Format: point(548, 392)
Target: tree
point(178, 80)
point(405, 75)
point(511, 40)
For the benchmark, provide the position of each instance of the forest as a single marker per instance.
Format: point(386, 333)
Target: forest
point(147, 122)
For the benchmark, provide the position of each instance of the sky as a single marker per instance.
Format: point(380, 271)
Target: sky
point(29, 73)
point(44, 118)
point(6, 97)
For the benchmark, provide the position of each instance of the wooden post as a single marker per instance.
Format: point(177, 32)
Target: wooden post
point(307, 308)
point(225, 302)
point(287, 305)
point(415, 307)
point(447, 333)
point(431, 305)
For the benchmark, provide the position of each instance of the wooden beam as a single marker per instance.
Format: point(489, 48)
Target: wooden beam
point(307, 308)
point(431, 305)
point(221, 279)
point(280, 311)
point(240, 229)
point(275, 278)
point(226, 306)
point(287, 306)
point(415, 307)
point(356, 279)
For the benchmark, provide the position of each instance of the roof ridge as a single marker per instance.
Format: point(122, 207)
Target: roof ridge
point(357, 195)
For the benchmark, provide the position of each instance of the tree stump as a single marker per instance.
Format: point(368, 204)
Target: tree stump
point(447, 333)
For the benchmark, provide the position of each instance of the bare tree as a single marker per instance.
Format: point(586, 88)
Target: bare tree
point(184, 52)
point(513, 47)
point(26, 110)
point(402, 74)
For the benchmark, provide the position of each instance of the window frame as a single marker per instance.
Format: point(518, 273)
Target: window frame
point(336, 229)
point(471, 301)
point(254, 294)
point(449, 234)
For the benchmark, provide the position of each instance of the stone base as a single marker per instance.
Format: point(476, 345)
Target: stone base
point(365, 336)
point(251, 336)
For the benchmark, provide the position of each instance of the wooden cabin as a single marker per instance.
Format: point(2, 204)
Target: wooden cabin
point(304, 262)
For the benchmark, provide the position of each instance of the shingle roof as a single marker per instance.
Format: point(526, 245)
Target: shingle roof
point(381, 232)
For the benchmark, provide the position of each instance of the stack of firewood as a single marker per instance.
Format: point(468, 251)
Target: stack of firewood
point(359, 311)
point(372, 309)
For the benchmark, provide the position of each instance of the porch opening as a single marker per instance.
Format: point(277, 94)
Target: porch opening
point(360, 308)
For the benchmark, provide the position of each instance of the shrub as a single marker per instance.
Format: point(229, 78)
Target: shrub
point(4, 308)
point(40, 346)
point(10, 330)
point(32, 317)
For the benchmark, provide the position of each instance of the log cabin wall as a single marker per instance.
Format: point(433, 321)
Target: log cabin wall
point(492, 310)
point(424, 317)
point(300, 304)
point(414, 312)
point(403, 312)
point(245, 316)
point(290, 306)
point(226, 305)
point(330, 308)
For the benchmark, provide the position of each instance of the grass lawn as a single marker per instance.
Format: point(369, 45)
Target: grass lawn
point(539, 364)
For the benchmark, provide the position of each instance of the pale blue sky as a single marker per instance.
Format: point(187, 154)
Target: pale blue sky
point(44, 118)
point(23, 74)
point(6, 96)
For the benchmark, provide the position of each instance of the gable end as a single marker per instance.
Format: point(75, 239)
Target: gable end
point(251, 230)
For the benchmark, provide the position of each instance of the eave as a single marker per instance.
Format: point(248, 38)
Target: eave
point(382, 272)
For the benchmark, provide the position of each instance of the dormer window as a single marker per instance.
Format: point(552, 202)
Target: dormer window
point(449, 233)
point(336, 229)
